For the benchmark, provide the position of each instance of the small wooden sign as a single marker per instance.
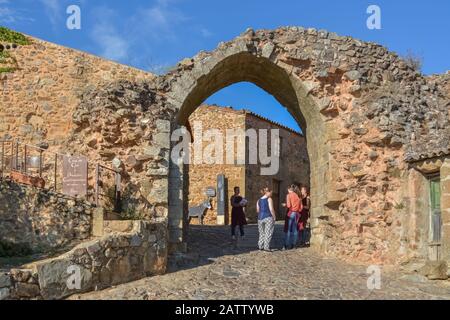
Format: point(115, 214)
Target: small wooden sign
point(75, 176)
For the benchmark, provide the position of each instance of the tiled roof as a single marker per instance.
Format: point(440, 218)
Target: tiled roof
point(248, 112)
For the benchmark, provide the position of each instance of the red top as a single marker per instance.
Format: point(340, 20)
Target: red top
point(293, 202)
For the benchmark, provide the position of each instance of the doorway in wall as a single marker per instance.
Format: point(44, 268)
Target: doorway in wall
point(435, 217)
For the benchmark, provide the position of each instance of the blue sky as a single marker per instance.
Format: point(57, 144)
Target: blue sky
point(155, 34)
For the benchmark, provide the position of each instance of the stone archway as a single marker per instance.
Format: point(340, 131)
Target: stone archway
point(361, 107)
point(368, 114)
point(263, 65)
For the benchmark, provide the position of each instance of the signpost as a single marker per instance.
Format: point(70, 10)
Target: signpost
point(221, 199)
point(75, 176)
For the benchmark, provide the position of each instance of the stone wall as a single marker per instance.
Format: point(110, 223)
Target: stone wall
point(128, 251)
point(293, 167)
point(419, 207)
point(76, 103)
point(39, 96)
point(363, 109)
point(204, 175)
point(52, 99)
point(41, 220)
point(293, 162)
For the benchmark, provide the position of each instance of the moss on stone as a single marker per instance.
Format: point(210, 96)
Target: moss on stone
point(10, 36)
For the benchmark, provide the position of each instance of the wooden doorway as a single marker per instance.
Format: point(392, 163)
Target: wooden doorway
point(276, 197)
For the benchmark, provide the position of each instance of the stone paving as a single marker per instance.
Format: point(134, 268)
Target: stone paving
point(216, 267)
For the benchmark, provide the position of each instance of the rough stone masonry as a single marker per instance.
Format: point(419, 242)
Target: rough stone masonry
point(367, 115)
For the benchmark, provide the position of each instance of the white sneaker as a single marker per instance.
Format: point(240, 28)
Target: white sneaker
point(233, 237)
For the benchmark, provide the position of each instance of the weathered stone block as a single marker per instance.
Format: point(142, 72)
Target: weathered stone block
point(54, 278)
point(267, 50)
point(135, 241)
point(151, 151)
point(5, 280)
point(435, 270)
point(159, 193)
point(4, 293)
point(163, 125)
point(97, 222)
point(26, 290)
point(352, 75)
point(334, 198)
point(161, 171)
point(310, 86)
point(19, 275)
point(118, 226)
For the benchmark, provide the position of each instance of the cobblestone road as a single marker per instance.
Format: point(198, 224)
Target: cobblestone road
point(218, 268)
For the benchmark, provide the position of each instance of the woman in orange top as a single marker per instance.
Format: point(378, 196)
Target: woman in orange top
point(294, 205)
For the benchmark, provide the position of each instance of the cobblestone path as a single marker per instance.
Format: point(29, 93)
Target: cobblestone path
point(218, 268)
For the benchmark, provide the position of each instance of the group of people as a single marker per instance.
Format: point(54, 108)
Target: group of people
point(297, 206)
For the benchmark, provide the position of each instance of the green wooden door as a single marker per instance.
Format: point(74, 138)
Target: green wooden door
point(435, 201)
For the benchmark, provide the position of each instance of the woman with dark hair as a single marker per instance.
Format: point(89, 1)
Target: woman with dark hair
point(237, 213)
point(304, 216)
point(266, 219)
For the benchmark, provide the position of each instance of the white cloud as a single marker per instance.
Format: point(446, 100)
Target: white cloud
point(158, 21)
point(205, 32)
point(11, 16)
point(53, 9)
point(6, 15)
point(112, 45)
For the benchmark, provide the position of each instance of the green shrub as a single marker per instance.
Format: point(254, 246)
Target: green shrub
point(10, 36)
point(128, 204)
point(9, 249)
point(413, 60)
point(4, 55)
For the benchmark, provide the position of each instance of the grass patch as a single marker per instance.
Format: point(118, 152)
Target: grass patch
point(7, 69)
point(10, 36)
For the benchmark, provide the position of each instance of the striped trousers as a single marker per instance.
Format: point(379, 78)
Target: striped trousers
point(265, 228)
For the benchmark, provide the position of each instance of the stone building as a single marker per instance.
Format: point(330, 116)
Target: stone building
point(377, 133)
point(293, 160)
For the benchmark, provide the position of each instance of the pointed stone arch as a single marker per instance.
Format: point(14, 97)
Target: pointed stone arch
point(266, 65)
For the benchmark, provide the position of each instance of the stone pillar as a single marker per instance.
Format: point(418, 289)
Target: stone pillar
point(177, 184)
point(415, 221)
point(320, 164)
point(97, 222)
point(176, 206)
point(445, 209)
